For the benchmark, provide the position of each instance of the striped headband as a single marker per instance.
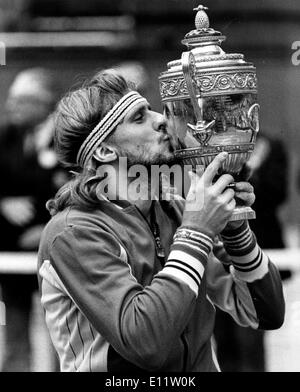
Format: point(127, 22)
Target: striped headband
point(109, 122)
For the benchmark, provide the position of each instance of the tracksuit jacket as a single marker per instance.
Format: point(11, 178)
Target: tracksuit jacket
point(111, 304)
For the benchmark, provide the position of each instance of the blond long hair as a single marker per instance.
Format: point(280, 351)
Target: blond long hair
point(76, 115)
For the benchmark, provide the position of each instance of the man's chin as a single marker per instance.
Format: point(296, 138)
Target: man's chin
point(166, 157)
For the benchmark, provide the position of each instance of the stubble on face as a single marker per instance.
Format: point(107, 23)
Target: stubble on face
point(144, 155)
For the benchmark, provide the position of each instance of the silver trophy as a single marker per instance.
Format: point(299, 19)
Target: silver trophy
point(211, 100)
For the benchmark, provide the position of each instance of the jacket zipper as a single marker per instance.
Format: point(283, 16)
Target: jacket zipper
point(183, 336)
point(160, 253)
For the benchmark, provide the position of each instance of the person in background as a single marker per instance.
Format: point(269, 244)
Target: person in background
point(29, 175)
point(242, 349)
point(269, 165)
point(15, 15)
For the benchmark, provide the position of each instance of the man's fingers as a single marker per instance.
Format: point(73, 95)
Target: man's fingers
point(222, 183)
point(227, 196)
point(243, 186)
point(231, 205)
point(244, 193)
point(213, 168)
point(247, 198)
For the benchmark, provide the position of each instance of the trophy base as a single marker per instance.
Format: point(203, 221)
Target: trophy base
point(242, 213)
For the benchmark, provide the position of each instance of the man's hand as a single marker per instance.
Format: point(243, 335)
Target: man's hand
point(244, 196)
point(19, 211)
point(209, 206)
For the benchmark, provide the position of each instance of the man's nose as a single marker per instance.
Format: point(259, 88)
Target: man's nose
point(159, 122)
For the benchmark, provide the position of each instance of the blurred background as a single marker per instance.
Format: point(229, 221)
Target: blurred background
point(74, 38)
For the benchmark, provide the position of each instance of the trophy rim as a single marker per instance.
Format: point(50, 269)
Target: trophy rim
point(203, 151)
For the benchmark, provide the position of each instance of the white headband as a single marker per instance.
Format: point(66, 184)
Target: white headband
point(109, 122)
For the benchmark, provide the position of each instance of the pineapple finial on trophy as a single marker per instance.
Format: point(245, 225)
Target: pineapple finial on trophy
point(201, 19)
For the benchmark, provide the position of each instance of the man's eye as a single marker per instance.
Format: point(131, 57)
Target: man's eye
point(139, 117)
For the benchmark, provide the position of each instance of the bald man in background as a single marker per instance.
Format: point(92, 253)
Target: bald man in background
point(29, 176)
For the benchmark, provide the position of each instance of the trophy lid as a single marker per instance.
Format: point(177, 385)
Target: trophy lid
point(216, 72)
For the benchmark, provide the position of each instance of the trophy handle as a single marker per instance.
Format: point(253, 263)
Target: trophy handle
point(201, 131)
point(189, 72)
point(255, 127)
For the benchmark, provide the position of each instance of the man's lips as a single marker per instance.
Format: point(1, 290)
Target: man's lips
point(170, 140)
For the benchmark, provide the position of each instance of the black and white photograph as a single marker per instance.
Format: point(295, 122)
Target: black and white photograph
point(149, 189)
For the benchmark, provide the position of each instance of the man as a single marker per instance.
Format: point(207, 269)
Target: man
point(131, 285)
point(29, 176)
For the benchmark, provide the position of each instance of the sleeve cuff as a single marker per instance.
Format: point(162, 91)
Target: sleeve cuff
point(248, 260)
point(188, 257)
point(239, 242)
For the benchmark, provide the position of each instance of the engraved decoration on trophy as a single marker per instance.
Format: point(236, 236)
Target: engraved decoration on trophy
point(210, 99)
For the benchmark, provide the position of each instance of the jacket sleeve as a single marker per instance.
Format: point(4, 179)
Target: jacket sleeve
point(243, 282)
point(139, 322)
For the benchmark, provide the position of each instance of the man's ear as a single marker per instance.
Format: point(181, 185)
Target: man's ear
point(105, 153)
